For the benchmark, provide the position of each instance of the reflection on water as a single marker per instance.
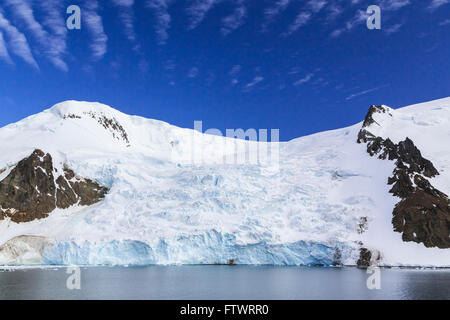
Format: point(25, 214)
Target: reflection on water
point(224, 282)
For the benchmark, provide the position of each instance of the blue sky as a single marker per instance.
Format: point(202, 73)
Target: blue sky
point(301, 66)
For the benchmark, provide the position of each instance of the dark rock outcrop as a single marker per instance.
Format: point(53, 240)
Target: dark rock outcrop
point(33, 189)
point(365, 257)
point(337, 257)
point(423, 214)
point(368, 258)
point(368, 120)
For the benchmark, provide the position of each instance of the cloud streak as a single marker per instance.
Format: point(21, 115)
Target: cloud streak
point(301, 19)
point(94, 23)
point(55, 22)
point(359, 18)
point(438, 3)
point(393, 5)
point(235, 20)
point(316, 5)
point(162, 16)
point(361, 93)
point(393, 29)
point(17, 42)
point(305, 79)
point(272, 12)
point(126, 15)
point(4, 54)
point(198, 10)
point(254, 82)
point(53, 45)
point(193, 73)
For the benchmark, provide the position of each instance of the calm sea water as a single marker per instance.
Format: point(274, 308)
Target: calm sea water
point(224, 282)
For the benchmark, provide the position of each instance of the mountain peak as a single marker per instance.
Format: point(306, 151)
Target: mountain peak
point(373, 111)
point(73, 107)
point(106, 116)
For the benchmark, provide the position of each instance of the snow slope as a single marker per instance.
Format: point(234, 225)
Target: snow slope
point(173, 200)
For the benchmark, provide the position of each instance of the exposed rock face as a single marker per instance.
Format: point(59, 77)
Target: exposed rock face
point(365, 257)
point(33, 189)
point(423, 214)
point(368, 120)
point(368, 258)
point(337, 257)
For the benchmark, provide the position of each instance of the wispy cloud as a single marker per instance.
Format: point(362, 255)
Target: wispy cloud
point(312, 7)
point(364, 92)
point(53, 45)
point(125, 3)
point(445, 22)
point(294, 70)
point(235, 20)
point(303, 80)
point(235, 70)
point(54, 21)
point(170, 65)
point(126, 15)
point(394, 5)
point(198, 10)
point(254, 82)
point(438, 3)
point(334, 11)
point(17, 42)
point(359, 18)
point(162, 16)
point(301, 19)
point(316, 5)
point(193, 72)
point(393, 29)
point(94, 23)
point(273, 11)
point(4, 54)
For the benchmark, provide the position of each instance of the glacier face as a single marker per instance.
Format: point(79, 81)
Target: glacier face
point(162, 209)
point(209, 248)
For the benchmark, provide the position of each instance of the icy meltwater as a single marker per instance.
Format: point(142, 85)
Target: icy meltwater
point(224, 282)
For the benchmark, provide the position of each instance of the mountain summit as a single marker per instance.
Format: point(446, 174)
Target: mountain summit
point(82, 183)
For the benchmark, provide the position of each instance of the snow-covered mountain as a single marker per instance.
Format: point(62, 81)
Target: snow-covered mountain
point(109, 188)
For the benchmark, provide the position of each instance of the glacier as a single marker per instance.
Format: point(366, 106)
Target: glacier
point(163, 208)
point(209, 248)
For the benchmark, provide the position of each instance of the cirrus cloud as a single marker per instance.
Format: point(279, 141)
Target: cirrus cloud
point(163, 18)
point(17, 42)
point(52, 45)
point(94, 23)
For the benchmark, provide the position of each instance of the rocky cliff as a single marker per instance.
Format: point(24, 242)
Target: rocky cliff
point(423, 214)
point(34, 188)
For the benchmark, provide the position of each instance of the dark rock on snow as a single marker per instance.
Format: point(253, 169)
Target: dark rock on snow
point(423, 214)
point(33, 189)
point(365, 257)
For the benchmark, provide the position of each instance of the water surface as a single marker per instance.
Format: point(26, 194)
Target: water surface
point(224, 282)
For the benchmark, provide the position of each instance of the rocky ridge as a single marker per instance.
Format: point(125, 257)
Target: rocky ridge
point(34, 188)
point(423, 214)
